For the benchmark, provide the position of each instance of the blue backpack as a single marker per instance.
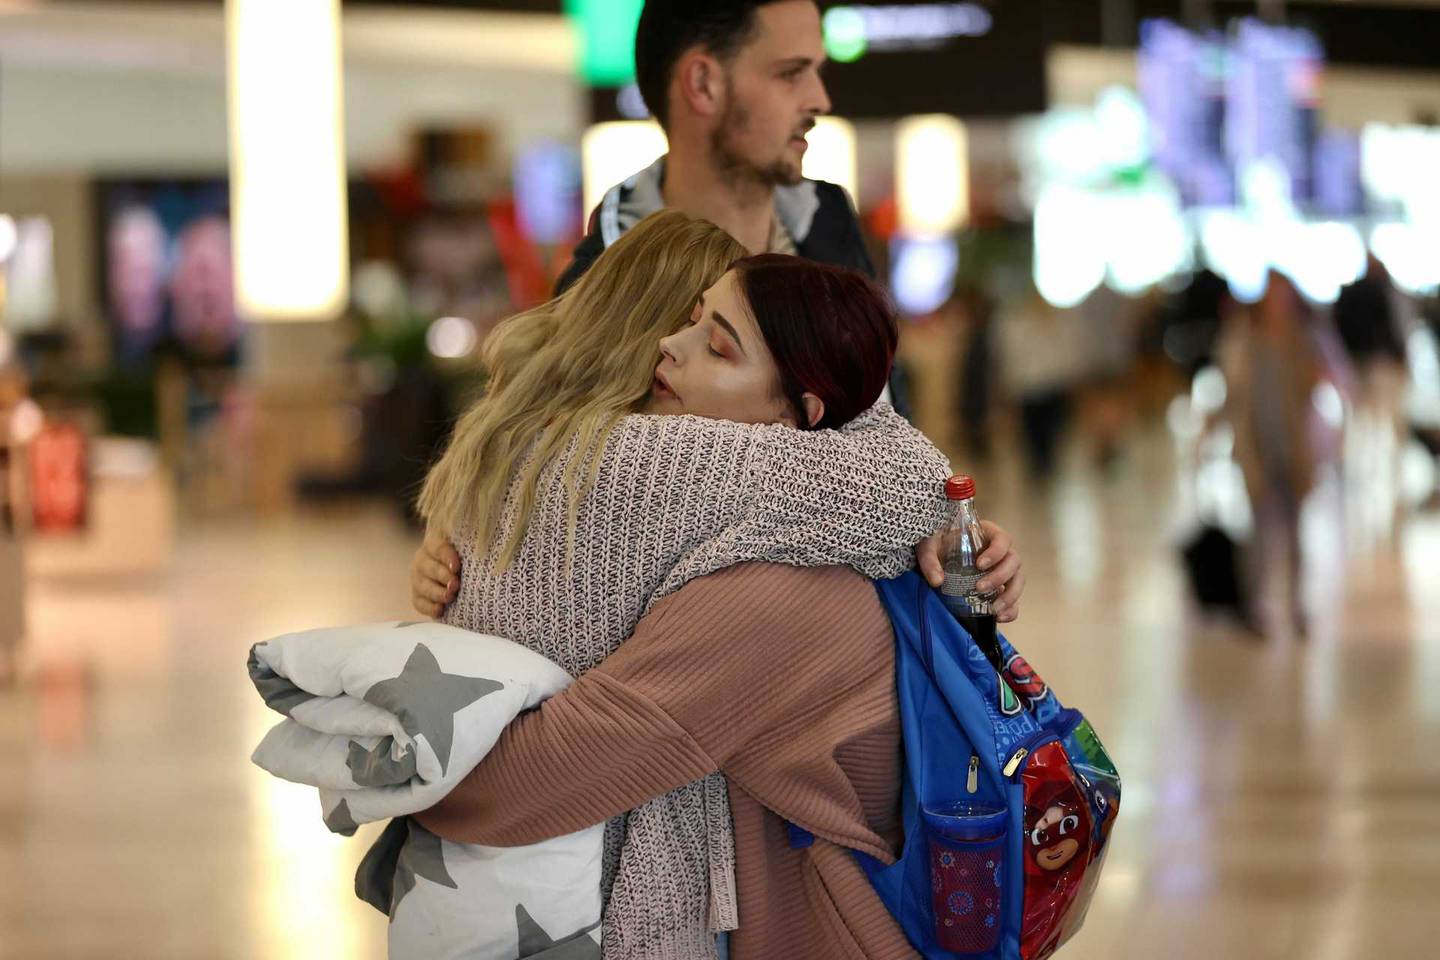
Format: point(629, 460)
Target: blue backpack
point(1008, 797)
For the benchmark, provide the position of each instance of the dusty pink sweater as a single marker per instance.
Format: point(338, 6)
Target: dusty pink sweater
point(781, 678)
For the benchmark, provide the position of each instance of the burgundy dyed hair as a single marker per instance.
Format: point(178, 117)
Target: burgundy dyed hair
point(831, 331)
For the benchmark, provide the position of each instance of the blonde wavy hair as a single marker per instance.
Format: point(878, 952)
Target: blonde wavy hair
point(568, 371)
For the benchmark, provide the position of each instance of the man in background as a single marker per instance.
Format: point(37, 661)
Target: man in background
point(736, 86)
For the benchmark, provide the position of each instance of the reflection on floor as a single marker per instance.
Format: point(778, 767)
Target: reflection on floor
point(1282, 798)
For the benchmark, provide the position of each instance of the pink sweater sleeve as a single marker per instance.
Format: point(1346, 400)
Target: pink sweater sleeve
point(729, 657)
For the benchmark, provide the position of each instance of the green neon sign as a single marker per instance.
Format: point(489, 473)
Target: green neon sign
point(845, 40)
point(607, 39)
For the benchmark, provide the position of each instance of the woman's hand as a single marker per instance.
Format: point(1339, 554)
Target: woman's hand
point(999, 561)
point(434, 575)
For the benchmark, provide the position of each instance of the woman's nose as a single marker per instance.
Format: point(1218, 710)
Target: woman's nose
point(667, 348)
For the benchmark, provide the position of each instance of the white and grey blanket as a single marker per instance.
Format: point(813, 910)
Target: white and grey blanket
point(385, 719)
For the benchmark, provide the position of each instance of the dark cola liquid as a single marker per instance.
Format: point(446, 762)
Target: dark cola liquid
point(982, 628)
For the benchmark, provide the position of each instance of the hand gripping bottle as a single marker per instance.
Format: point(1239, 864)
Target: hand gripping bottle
point(961, 543)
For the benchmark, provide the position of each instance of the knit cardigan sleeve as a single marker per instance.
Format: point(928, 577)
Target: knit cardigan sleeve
point(861, 496)
point(662, 710)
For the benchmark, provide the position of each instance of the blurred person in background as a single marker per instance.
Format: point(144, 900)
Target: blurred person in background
point(736, 86)
point(1107, 320)
point(1427, 388)
point(1044, 357)
point(975, 312)
point(1193, 325)
point(573, 517)
point(202, 293)
point(1272, 365)
point(1371, 324)
point(136, 277)
point(1370, 327)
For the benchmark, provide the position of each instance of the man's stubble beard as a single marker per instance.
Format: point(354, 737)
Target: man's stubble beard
point(734, 167)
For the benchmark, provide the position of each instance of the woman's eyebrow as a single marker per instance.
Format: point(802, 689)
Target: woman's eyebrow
point(729, 329)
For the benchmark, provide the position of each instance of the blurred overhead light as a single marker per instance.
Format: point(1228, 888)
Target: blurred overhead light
point(451, 338)
point(613, 152)
point(831, 155)
point(1234, 247)
point(1319, 257)
point(923, 274)
point(1064, 144)
point(1408, 252)
point(1145, 236)
point(1069, 263)
point(1124, 128)
point(1398, 164)
point(287, 158)
point(932, 175)
point(9, 236)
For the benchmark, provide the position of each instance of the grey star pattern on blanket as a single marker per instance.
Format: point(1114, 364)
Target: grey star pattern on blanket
point(536, 943)
point(280, 694)
point(377, 767)
point(426, 699)
point(422, 856)
point(341, 821)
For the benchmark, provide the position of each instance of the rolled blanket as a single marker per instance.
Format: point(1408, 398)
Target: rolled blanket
point(385, 719)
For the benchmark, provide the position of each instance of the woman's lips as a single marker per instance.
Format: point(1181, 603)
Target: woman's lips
point(660, 387)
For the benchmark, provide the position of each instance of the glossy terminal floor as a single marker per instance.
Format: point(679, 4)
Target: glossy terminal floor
point(1282, 799)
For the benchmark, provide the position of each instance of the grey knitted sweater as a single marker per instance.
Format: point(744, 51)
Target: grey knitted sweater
point(675, 498)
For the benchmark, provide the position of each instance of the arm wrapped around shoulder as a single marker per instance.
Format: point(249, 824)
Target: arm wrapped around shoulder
point(863, 495)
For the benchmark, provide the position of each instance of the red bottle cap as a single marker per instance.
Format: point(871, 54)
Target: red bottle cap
point(960, 487)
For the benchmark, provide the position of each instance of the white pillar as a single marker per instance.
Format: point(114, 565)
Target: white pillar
point(287, 159)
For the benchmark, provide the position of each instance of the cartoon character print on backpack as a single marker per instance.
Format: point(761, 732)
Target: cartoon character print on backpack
point(1064, 805)
point(1022, 678)
point(1057, 843)
point(1097, 775)
point(1054, 829)
point(1004, 705)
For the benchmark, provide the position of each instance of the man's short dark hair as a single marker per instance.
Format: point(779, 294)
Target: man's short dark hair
point(670, 27)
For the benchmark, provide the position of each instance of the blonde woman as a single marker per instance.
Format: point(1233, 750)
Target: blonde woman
point(573, 515)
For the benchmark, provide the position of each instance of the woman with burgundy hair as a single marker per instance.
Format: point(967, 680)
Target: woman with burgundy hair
point(737, 501)
point(781, 340)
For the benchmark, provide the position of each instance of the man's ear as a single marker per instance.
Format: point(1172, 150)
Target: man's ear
point(700, 82)
point(814, 409)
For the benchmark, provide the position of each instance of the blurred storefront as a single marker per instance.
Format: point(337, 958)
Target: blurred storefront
point(207, 438)
point(1102, 155)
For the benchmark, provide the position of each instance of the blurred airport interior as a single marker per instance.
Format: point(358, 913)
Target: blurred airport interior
point(1169, 284)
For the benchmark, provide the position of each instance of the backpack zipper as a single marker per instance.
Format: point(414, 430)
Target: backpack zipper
point(972, 779)
point(1060, 728)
